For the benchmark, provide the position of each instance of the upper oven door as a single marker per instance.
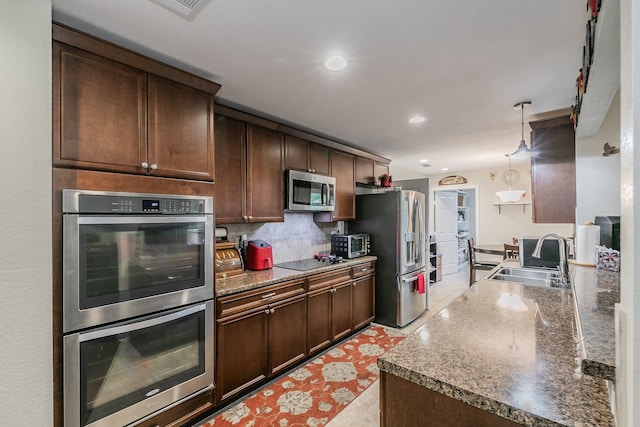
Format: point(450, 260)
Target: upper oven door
point(310, 192)
point(117, 267)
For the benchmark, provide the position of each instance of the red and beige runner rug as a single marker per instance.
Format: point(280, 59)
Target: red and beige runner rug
point(316, 392)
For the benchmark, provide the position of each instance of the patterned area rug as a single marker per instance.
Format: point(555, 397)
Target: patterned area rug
point(316, 392)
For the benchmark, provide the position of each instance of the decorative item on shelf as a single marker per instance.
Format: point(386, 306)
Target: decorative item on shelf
point(522, 148)
point(385, 180)
point(452, 180)
point(510, 177)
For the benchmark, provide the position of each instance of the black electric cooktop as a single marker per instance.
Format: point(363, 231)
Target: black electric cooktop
point(310, 263)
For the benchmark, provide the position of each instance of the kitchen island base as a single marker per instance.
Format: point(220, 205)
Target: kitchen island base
point(403, 403)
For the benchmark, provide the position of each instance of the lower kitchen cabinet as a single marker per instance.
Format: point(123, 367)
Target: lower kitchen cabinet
point(243, 352)
point(260, 334)
point(363, 301)
point(341, 311)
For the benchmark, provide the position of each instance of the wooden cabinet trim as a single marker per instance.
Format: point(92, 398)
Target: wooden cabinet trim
point(364, 269)
point(112, 51)
point(250, 300)
point(325, 280)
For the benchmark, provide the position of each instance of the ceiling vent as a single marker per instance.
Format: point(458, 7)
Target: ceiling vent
point(187, 9)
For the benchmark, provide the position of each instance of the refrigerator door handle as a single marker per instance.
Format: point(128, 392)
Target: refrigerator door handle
point(413, 279)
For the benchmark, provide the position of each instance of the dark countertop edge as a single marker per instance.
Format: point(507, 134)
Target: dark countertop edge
point(252, 281)
point(589, 365)
point(470, 398)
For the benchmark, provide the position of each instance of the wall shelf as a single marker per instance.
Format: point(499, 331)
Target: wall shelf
point(523, 204)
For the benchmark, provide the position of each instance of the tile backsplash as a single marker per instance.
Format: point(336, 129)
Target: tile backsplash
point(298, 237)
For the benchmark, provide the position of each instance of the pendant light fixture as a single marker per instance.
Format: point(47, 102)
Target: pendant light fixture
point(522, 148)
point(510, 177)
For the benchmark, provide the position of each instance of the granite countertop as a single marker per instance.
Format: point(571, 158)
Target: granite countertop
point(596, 292)
point(508, 349)
point(258, 279)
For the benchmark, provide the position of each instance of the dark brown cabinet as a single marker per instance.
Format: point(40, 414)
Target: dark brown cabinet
point(304, 155)
point(553, 171)
point(363, 295)
point(250, 172)
point(110, 116)
point(260, 333)
point(342, 168)
point(329, 311)
point(369, 171)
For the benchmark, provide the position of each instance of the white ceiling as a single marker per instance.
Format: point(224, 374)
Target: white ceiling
point(463, 64)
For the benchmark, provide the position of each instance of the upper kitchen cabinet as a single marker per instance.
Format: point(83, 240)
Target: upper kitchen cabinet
point(369, 171)
point(250, 172)
point(553, 171)
point(307, 156)
point(343, 169)
point(115, 110)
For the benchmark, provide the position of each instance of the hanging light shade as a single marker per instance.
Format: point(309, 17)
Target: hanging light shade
point(510, 176)
point(522, 148)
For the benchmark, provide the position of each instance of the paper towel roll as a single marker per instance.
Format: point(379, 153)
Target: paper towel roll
point(587, 240)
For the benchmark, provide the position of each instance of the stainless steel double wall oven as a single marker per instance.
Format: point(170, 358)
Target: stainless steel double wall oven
point(137, 304)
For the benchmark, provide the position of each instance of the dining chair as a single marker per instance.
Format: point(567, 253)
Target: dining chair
point(474, 264)
point(511, 251)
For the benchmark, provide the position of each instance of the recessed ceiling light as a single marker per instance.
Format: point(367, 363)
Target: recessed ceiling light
point(444, 169)
point(424, 161)
point(417, 119)
point(335, 63)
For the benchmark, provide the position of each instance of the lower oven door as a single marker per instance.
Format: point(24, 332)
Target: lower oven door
point(116, 375)
point(119, 266)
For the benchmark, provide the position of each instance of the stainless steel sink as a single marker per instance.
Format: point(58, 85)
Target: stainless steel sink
point(530, 276)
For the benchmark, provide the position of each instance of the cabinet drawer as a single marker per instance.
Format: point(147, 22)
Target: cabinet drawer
point(233, 304)
point(364, 269)
point(323, 280)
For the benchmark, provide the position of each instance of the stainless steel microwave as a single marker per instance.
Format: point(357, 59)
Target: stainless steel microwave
point(310, 192)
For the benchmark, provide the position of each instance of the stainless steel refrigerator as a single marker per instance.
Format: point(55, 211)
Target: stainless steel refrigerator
point(396, 222)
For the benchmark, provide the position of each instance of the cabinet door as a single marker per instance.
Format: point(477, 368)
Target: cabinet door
point(342, 168)
point(180, 130)
point(230, 178)
point(296, 153)
point(363, 301)
point(99, 112)
point(287, 334)
point(341, 311)
point(553, 171)
point(364, 171)
point(320, 159)
point(265, 174)
point(379, 169)
point(242, 352)
point(319, 332)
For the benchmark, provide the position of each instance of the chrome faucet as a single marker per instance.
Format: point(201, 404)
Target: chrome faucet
point(563, 252)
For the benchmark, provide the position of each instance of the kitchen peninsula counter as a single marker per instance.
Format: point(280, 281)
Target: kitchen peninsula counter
point(596, 293)
point(501, 354)
point(258, 279)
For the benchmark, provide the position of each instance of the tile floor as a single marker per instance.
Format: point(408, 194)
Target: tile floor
point(363, 411)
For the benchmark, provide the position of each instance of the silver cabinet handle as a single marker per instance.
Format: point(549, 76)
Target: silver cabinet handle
point(272, 294)
point(250, 217)
point(245, 217)
point(154, 166)
point(267, 311)
point(364, 269)
point(272, 311)
point(144, 165)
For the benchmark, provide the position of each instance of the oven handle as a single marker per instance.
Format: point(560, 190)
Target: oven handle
point(124, 219)
point(141, 324)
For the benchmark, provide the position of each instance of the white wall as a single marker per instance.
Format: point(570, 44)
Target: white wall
point(598, 177)
point(493, 227)
point(26, 368)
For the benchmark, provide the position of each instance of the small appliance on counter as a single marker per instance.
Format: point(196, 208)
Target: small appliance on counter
point(259, 255)
point(350, 245)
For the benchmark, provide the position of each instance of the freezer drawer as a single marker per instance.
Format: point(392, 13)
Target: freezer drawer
point(411, 303)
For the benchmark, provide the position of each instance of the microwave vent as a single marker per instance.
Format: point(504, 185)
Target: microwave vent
point(187, 9)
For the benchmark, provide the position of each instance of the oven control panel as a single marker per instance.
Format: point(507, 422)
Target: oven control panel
point(134, 204)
